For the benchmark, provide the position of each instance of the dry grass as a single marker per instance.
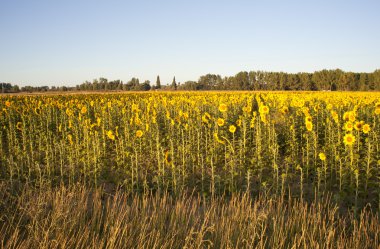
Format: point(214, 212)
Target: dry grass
point(78, 217)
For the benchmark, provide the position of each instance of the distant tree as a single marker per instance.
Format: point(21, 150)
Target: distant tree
point(158, 82)
point(145, 86)
point(174, 84)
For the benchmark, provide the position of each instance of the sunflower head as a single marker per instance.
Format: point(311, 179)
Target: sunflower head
point(232, 128)
point(83, 110)
point(348, 126)
point(220, 122)
point(366, 128)
point(223, 107)
point(264, 109)
point(349, 139)
point(19, 126)
point(110, 135)
point(322, 156)
point(309, 126)
point(139, 133)
point(358, 126)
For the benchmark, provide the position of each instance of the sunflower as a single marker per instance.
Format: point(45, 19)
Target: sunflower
point(352, 117)
point(264, 109)
point(238, 122)
point(349, 139)
point(83, 110)
point(348, 126)
point(358, 126)
point(205, 118)
point(377, 111)
point(247, 109)
point(223, 107)
point(220, 122)
point(346, 116)
point(309, 126)
point(110, 135)
point(308, 119)
point(285, 110)
point(322, 156)
point(232, 128)
point(139, 133)
point(366, 128)
point(218, 139)
point(19, 126)
point(7, 103)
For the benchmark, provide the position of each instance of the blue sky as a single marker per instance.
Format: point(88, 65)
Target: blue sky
point(67, 42)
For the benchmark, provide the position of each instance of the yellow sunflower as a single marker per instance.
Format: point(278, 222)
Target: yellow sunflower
point(309, 126)
point(223, 107)
point(220, 122)
point(110, 135)
point(264, 109)
point(83, 110)
point(308, 119)
point(348, 126)
point(139, 133)
point(322, 156)
point(358, 126)
point(349, 139)
point(366, 128)
point(232, 128)
point(19, 126)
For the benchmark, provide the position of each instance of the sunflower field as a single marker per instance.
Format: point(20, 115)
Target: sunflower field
point(302, 144)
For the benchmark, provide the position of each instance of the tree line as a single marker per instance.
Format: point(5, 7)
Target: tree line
point(324, 80)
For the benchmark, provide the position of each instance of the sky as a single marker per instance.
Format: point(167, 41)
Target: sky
point(67, 42)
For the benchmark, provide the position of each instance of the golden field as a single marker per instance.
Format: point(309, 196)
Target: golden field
point(215, 142)
point(282, 144)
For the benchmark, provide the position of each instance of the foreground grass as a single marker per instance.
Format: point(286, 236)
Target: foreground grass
point(78, 217)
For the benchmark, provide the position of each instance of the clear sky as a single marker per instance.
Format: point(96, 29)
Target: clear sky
point(66, 42)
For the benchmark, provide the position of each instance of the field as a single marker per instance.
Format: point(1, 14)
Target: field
point(190, 169)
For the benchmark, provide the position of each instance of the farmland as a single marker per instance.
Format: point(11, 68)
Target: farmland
point(294, 148)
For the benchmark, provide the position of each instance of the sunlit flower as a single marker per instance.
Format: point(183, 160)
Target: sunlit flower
point(377, 111)
point(139, 133)
point(223, 107)
point(83, 110)
point(346, 116)
point(348, 126)
point(19, 126)
point(246, 109)
point(218, 139)
point(238, 122)
point(366, 128)
point(110, 135)
point(309, 126)
point(232, 128)
point(322, 156)
point(358, 126)
point(220, 122)
point(349, 139)
point(264, 109)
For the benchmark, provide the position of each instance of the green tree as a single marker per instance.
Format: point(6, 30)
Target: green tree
point(174, 84)
point(158, 82)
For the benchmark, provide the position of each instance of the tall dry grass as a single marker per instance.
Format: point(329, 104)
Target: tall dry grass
point(78, 217)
